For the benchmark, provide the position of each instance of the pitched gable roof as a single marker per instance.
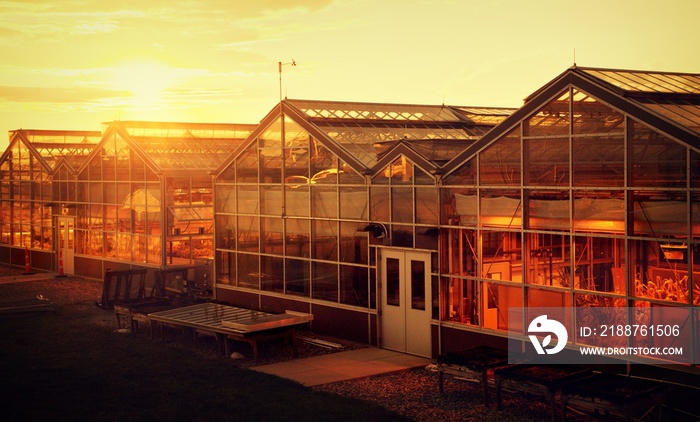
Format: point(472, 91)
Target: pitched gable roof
point(49, 147)
point(179, 147)
point(361, 134)
point(675, 96)
point(668, 102)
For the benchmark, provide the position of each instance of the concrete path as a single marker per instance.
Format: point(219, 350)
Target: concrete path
point(342, 366)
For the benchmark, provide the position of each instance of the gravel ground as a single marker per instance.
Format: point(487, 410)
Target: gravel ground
point(413, 393)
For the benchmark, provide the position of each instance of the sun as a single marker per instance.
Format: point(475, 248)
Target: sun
point(146, 83)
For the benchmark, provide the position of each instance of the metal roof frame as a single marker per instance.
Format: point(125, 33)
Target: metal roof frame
point(376, 129)
point(173, 147)
point(582, 79)
point(67, 151)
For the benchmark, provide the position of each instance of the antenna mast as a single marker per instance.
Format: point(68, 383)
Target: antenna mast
point(280, 64)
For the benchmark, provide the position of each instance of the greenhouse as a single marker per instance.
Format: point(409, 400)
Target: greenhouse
point(585, 197)
point(322, 192)
point(144, 195)
point(137, 194)
point(415, 228)
point(36, 171)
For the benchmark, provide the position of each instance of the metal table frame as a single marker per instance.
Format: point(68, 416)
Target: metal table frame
point(229, 322)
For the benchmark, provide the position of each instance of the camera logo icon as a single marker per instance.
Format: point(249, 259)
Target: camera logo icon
point(551, 326)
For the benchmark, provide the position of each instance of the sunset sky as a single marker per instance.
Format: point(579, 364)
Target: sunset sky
point(72, 64)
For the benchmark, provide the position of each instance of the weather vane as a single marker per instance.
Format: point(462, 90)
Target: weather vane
point(293, 63)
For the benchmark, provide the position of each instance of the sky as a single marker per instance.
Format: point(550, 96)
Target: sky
point(74, 64)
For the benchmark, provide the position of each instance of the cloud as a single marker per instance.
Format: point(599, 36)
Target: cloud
point(91, 99)
point(28, 94)
point(94, 28)
point(37, 21)
point(76, 17)
point(6, 33)
point(79, 33)
point(122, 27)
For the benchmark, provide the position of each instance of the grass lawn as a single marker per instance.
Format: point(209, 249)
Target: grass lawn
point(54, 367)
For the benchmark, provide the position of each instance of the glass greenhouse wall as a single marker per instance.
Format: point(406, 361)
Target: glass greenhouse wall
point(26, 190)
point(587, 196)
point(35, 174)
point(287, 220)
point(138, 193)
point(581, 198)
point(144, 197)
point(119, 206)
point(306, 210)
point(578, 204)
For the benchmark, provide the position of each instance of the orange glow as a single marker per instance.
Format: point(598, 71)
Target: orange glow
point(601, 225)
point(145, 81)
point(225, 55)
point(501, 221)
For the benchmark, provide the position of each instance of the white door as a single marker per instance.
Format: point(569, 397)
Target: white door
point(406, 302)
point(66, 244)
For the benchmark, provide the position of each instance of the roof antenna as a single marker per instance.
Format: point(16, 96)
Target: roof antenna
point(280, 64)
point(574, 56)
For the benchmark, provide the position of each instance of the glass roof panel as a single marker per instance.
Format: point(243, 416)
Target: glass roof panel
point(187, 146)
point(359, 144)
point(649, 82)
point(553, 118)
point(52, 145)
point(294, 135)
point(375, 134)
point(371, 111)
point(365, 143)
point(187, 130)
point(490, 116)
point(592, 116)
point(186, 154)
point(687, 115)
point(439, 151)
point(366, 130)
point(673, 82)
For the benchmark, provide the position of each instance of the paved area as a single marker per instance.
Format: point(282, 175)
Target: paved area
point(344, 366)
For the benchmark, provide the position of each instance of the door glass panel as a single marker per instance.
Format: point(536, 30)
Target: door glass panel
point(418, 285)
point(61, 235)
point(393, 282)
point(70, 235)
